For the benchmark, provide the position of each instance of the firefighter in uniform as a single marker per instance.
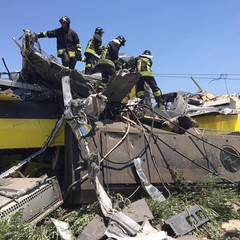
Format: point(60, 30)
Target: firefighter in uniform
point(93, 50)
point(109, 59)
point(68, 43)
point(143, 66)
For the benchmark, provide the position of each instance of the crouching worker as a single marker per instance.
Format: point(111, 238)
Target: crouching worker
point(108, 60)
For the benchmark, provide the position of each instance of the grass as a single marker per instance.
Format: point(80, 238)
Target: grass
point(216, 201)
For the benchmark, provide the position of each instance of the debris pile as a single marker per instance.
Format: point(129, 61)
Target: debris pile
point(108, 140)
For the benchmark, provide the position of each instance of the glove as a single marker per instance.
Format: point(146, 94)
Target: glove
point(79, 56)
point(40, 35)
point(118, 65)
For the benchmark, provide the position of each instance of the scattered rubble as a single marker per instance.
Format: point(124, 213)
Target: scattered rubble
point(113, 144)
point(232, 228)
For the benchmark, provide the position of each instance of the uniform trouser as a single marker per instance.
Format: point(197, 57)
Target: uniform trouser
point(68, 62)
point(152, 84)
point(91, 62)
point(107, 71)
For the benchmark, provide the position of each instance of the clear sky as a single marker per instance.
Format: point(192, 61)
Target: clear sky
point(199, 38)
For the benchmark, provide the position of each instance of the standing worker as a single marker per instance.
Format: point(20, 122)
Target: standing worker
point(143, 66)
point(68, 43)
point(109, 59)
point(93, 50)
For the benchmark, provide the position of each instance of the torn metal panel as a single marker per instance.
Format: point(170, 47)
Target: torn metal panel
point(77, 122)
point(18, 84)
point(63, 229)
point(147, 233)
point(176, 101)
point(138, 210)
point(196, 104)
point(94, 105)
point(193, 157)
point(67, 94)
point(151, 190)
point(50, 73)
point(28, 159)
point(130, 226)
point(217, 102)
point(121, 84)
point(154, 236)
point(47, 70)
point(31, 122)
point(95, 230)
point(35, 197)
point(190, 237)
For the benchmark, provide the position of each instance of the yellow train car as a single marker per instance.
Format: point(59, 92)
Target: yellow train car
point(219, 123)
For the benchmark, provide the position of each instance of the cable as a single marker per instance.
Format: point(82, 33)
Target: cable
point(111, 150)
point(193, 161)
point(184, 130)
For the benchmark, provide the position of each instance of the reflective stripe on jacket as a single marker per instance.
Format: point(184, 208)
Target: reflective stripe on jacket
point(110, 54)
point(67, 40)
point(144, 66)
point(95, 45)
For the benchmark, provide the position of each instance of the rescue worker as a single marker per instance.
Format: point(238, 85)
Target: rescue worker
point(109, 60)
point(68, 43)
point(93, 50)
point(143, 66)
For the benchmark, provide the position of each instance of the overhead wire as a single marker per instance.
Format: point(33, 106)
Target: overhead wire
point(212, 77)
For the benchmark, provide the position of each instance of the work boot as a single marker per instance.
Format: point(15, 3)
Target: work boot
point(159, 101)
point(159, 105)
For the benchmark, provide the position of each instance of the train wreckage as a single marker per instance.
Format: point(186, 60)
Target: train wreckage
point(59, 135)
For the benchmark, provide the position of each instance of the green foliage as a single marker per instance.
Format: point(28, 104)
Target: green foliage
point(13, 228)
point(216, 201)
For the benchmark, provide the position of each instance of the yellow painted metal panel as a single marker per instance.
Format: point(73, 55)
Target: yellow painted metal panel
point(131, 95)
point(9, 97)
point(230, 122)
point(28, 133)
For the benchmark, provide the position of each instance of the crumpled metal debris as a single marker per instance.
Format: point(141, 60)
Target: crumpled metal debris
point(152, 236)
point(94, 105)
point(121, 226)
point(94, 230)
point(150, 189)
point(63, 229)
point(129, 226)
point(138, 211)
point(232, 227)
point(13, 169)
